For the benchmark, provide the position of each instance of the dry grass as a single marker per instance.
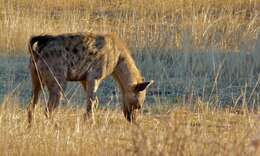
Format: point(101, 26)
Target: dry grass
point(200, 52)
point(204, 48)
point(177, 131)
point(178, 25)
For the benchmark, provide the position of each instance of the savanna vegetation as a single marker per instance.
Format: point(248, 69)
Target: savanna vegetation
point(203, 54)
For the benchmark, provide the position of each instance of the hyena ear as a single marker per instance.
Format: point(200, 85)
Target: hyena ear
point(142, 86)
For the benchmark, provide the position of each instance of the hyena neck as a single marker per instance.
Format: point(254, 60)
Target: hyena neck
point(126, 73)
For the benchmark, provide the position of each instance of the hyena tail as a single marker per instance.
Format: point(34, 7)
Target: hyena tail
point(41, 40)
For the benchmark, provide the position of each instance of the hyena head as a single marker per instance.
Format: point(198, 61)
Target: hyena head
point(134, 99)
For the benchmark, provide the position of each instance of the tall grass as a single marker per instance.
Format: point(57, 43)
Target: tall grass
point(199, 130)
point(175, 25)
point(202, 54)
point(204, 49)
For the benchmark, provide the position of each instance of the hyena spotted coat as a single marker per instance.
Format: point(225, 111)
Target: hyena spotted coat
point(88, 58)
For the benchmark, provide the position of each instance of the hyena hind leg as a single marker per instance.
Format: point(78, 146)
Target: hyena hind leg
point(36, 88)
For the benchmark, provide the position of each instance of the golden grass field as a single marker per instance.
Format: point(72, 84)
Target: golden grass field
point(197, 130)
point(180, 25)
point(203, 54)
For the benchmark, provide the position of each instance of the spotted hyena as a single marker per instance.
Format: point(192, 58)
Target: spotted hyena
point(88, 58)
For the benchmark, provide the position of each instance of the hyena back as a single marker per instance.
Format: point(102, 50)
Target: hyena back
point(88, 58)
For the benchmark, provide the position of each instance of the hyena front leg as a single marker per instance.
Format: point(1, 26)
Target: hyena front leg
point(56, 90)
point(92, 99)
point(84, 84)
point(93, 81)
point(36, 88)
